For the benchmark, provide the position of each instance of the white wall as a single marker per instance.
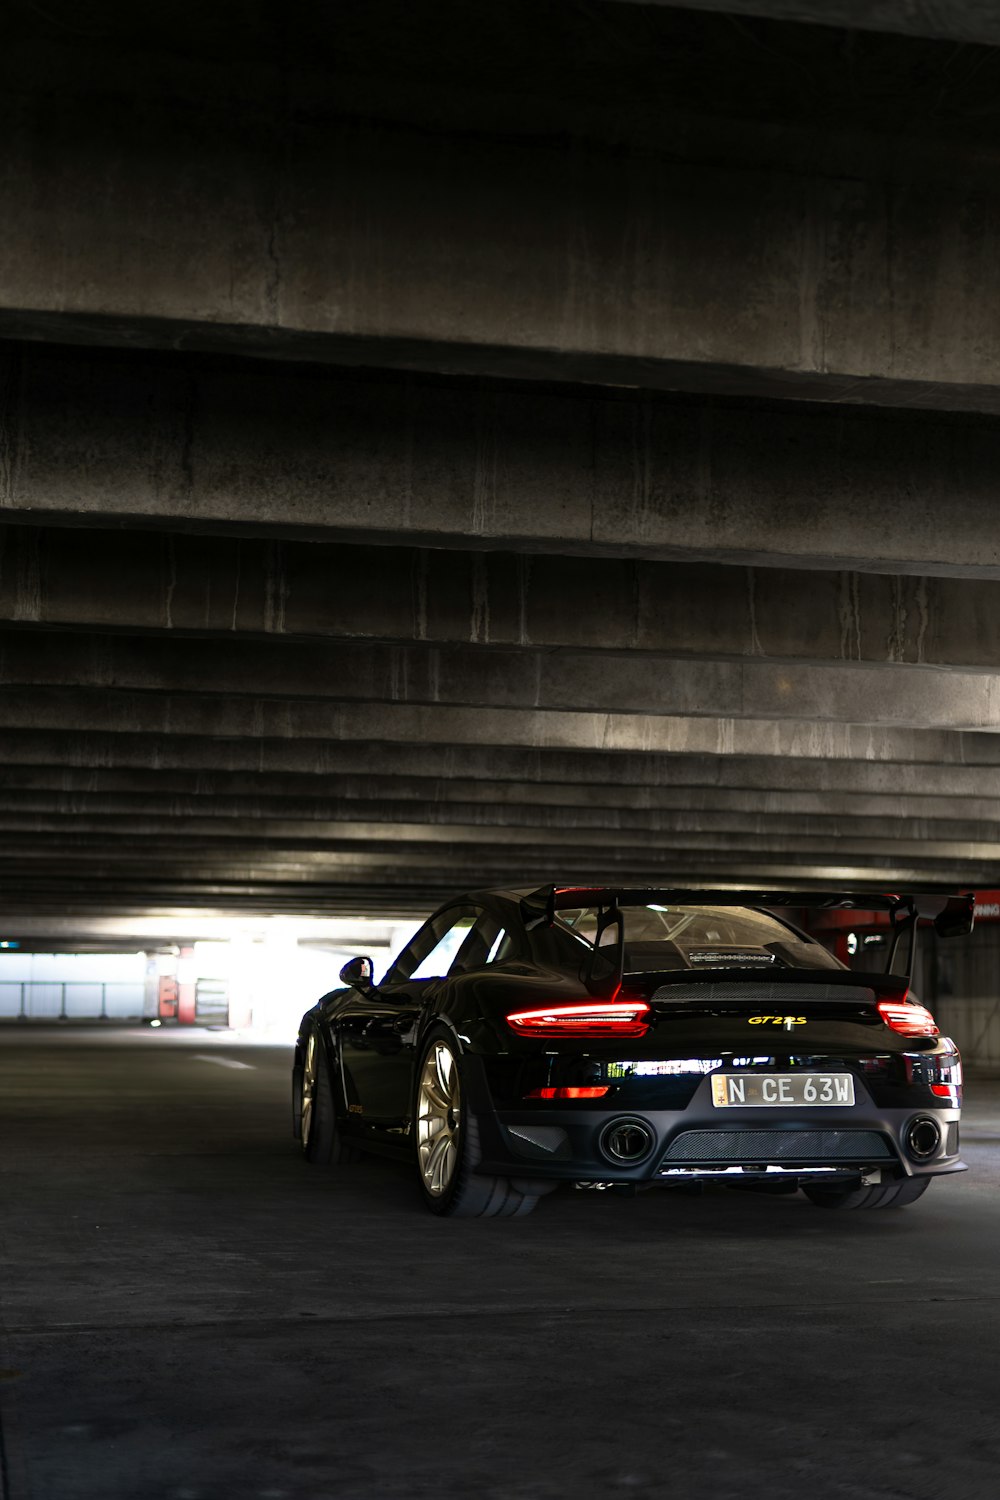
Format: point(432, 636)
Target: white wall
point(80, 986)
point(275, 969)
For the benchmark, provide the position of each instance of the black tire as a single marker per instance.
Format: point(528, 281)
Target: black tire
point(322, 1143)
point(892, 1195)
point(464, 1194)
point(297, 1101)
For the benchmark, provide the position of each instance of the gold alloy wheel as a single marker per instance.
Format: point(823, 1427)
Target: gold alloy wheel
point(439, 1103)
point(308, 1089)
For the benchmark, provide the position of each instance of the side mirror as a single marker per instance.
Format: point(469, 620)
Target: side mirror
point(359, 973)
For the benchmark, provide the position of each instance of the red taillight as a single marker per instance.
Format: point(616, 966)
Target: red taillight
point(568, 1093)
point(949, 1068)
point(616, 1018)
point(908, 1018)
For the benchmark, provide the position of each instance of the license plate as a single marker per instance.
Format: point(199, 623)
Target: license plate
point(772, 1090)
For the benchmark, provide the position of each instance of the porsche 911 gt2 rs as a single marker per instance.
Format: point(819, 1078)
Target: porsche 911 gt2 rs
point(620, 1039)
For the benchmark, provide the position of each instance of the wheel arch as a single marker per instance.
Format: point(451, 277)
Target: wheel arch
point(329, 1040)
point(316, 1023)
point(480, 1099)
point(441, 1018)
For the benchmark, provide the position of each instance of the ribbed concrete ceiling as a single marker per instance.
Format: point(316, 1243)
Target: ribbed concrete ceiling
point(959, 20)
point(447, 445)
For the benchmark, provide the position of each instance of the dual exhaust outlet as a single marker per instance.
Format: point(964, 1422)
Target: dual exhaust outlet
point(922, 1138)
point(628, 1140)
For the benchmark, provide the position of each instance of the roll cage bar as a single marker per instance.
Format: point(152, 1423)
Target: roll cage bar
point(951, 912)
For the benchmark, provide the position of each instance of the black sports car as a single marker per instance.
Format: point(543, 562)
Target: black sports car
point(625, 1038)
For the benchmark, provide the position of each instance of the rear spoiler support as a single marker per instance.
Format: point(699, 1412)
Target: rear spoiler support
point(952, 914)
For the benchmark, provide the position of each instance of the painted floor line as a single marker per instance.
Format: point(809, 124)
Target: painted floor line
point(223, 1062)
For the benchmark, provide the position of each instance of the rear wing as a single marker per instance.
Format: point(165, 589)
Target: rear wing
point(951, 912)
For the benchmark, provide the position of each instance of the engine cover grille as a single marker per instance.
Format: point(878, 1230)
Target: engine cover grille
point(766, 994)
point(776, 1146)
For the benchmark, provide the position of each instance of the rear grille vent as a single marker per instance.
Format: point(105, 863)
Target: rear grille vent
point(710, 1146)
point(764, 994)
point(951, 1139)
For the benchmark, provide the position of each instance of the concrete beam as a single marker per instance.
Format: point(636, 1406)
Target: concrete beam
point(184, 902)
point(958, 20)
point(177, 583)
point(477, 863)
point(201, 715)
point(597, 240)
point(176, 443)
point(107, 879)
point(496, 765)
point(303, 841)
point(260, 826)
point(312, 678)
point(377, 799)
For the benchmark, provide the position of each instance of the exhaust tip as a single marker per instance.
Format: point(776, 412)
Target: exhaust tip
point(626, 1141)
point(922, 1138)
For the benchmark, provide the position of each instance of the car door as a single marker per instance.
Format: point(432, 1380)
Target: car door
point(378, 1032)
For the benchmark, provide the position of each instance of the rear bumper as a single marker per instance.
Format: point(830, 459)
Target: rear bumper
point(573, 1144)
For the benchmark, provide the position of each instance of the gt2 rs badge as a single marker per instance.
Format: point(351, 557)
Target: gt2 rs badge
point(788, 1021)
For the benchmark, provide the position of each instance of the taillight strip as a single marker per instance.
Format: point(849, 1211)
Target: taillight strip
point(908, 1018)
point(612, 1018)
point(568, 1092)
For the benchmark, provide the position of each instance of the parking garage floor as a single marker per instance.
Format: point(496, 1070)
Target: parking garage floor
point(188, 1311)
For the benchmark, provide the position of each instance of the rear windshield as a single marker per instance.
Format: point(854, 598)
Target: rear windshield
point(699, 937)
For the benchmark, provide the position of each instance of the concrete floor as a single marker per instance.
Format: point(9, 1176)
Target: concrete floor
point(190, 1312)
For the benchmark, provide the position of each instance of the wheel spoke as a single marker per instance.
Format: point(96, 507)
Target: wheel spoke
point(430, 1141)
point(438, 1149)
point(445, 1166)
point(438, 1102)
point(437, 1119)
point(439, 1163)
point(444, 1065)
point(308, 1089)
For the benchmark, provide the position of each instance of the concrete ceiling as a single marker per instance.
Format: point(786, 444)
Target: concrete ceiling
point(444, 446)
point(958, 20)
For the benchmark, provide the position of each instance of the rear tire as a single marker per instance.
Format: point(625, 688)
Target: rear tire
point(892, 1195)
point(448, 1146)
point(322, 1143)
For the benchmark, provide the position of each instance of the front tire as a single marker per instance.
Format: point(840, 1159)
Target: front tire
point(322, 1143)
point(447, 1142)
point(892, 1195)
